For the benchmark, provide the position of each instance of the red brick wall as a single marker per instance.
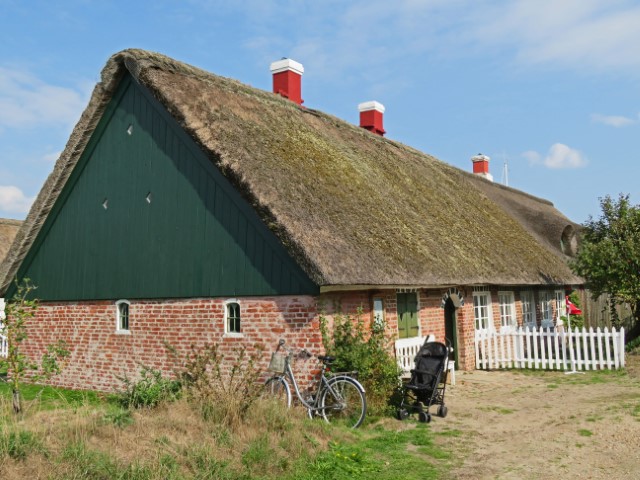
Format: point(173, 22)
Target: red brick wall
point(99, 354)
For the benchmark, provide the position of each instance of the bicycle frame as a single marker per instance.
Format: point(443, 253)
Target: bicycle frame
point(322, 384)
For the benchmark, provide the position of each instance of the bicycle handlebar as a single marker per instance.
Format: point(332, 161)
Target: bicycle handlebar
point(303, 353)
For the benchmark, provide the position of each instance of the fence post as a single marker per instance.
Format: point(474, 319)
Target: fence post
point(556, 348)
point(607, 348)
point(585, 348)
point(622, 350)
point(578, 348)
point(535, 338)
point(600, 349)
point(616, 352)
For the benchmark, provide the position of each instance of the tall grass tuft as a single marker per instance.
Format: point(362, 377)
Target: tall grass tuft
point(222, 389)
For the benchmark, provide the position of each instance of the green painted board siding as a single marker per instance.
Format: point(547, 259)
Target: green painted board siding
point(173, 225)
point(407, 315)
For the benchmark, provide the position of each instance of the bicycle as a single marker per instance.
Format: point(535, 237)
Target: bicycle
point(339, 398)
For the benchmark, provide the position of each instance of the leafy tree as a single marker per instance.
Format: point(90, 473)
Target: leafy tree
point(609, 254)
point(19, 310)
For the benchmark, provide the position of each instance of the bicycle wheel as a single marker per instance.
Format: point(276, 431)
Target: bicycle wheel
point(277, 388)
point(343, 402)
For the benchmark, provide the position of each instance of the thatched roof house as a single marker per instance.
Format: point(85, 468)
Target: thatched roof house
point(191, 208)
point(352, 208)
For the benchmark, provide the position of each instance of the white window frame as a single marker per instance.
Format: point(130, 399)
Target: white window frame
point(507, 305)
point(228, 333)
point(482, 322)
point(528, 309)
point(546, 309)
point(119, 319)
point(378, 311)
point(561, 306)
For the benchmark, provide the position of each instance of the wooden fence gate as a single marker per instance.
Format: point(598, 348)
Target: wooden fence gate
point(550, 349)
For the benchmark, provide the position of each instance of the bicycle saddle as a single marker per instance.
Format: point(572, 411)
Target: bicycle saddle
point(326, 359)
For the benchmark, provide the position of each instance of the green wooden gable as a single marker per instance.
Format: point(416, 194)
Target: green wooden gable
point(145, 214)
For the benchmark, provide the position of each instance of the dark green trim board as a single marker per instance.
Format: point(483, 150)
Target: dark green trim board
point(173, 226)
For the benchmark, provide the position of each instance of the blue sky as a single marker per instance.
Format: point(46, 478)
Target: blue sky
point(550, 86)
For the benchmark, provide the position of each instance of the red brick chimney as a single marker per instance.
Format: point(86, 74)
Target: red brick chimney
point(371, 114)
point(481, 166)
point(287, 79)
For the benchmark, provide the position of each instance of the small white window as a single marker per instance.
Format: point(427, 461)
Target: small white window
point(528, 309)
point(378, 312)
point(232, 324)
point(122, 316)
point(482, 310)
point(546, 310)
point(507, 311)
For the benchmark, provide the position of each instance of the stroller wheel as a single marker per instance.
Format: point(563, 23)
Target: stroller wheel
point(402, 413)
point(442, 411)
point(424, 417)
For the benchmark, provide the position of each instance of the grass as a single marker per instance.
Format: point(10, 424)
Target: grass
point(583, 432)
point(590, 377)
point(84, 435)
point(49, 397)
point(381, 452)
point(497, 409)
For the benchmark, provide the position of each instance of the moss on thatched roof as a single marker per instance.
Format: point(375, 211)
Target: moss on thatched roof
point(352, 208)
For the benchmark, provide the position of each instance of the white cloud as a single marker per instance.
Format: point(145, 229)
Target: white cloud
point(582, 34)
point(13, 200)
point(559, 156)
point(586, 35)
point(612, 120)
point(26, 101)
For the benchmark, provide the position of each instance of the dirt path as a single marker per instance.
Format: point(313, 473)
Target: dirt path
point(546, 425)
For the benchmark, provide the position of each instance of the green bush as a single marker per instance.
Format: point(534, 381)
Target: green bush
point(150, 390)
point(633, 346)
point(363, 348)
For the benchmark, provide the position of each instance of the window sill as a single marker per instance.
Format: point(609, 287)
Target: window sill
point(233, 335)
point(123, 332)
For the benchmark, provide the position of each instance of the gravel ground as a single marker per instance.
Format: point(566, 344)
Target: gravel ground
point(544, 425)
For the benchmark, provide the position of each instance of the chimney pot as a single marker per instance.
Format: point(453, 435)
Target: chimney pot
point(371, 116)
point(481, 166)
point(287, 79)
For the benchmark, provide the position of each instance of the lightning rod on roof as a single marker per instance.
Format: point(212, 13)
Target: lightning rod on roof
point(505, 170)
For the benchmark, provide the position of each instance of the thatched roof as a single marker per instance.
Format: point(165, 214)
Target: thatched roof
point(8, 230)
point(351, 207)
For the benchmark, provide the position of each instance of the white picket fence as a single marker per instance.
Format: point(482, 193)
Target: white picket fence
point(550, 349)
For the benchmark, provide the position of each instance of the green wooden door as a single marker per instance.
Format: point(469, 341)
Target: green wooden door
point(407, 315)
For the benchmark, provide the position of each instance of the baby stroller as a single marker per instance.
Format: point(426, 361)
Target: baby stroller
point(427, 384)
